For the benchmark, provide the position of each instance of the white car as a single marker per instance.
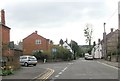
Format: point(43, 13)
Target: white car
point(86, 55)
point(27, 60)
point(90, 57)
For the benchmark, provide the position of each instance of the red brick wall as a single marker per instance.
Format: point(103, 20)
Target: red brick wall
point(5, 40)
point(29, 43)
point(5, 35)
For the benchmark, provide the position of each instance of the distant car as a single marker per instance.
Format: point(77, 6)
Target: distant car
point(86, 55)
point(90, 57)
point(28, 60)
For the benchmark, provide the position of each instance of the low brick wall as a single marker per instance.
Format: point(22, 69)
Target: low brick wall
point(13, 60)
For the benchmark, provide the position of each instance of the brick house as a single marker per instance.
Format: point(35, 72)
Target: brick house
point(5, 35)
point(35, 42)
point(8, 54)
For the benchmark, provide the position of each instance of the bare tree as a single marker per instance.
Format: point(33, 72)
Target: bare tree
point(88, 33)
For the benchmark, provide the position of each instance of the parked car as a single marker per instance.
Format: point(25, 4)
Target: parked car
point(27, 60)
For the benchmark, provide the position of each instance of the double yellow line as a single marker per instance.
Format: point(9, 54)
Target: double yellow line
point(46, 75)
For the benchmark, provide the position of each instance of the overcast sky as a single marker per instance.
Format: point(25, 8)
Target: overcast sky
point(59, 19)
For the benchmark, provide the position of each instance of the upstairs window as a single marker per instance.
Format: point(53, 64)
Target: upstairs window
point(37, 42)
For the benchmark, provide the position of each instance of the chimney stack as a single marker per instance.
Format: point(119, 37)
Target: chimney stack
point(99, 41)
point(36, 32)
point(111, 30)
point(3, 16)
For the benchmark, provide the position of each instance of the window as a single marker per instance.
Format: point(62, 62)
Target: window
point(37, 42)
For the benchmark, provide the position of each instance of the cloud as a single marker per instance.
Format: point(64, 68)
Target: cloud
point(31, 14)
point(56, 19)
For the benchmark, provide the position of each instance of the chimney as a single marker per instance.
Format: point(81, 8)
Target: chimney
point(111, 30)
point(98, 40)
point(3, 16)
point(36, 32)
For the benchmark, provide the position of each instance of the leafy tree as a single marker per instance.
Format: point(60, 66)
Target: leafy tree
point(61, 53)
point(38, 55)
point(76, 49)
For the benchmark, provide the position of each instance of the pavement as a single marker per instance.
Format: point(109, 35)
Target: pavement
point(115, 64)
point(25, 73)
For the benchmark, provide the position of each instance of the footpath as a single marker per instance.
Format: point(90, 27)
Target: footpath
point(115, 64)
point(25, 74)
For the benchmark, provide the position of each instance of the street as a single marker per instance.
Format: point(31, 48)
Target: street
point(81, 69)
point(73, 70)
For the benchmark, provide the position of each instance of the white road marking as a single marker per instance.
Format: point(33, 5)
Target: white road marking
point(70, 63)
point(60, 73)
point(108, 65)
point(57, 76)
point(64, 69)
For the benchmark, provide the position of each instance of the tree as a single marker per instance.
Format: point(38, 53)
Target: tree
point(61, 42)
point(76, 49)
point(88, 33)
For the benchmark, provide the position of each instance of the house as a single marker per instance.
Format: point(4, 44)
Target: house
point(7, 51)
point(97, 50)
point(111, 44)
point(34, 43)
point(66, 46)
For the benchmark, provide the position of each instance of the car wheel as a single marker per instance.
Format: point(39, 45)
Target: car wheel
point(26, 64)
point(34, 64)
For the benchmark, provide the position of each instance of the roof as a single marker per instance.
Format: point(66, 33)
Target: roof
point(111, 33)
point(5, 26)
point(37, 34)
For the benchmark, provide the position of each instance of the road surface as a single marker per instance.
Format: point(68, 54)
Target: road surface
point(81, 69)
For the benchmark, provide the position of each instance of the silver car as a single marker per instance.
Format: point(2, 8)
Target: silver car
point(27, 60)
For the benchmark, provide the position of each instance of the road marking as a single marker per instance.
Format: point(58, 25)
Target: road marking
point(64, 69)
point(47, 75)
point(57, 76)
point(60, 73)
point(108, 65)
point(70, 63)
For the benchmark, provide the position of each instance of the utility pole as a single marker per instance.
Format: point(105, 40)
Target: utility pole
point(0, 40)
point(118, 48)
point(104, 43)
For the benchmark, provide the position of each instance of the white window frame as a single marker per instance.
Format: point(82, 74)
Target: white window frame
point(38, 41)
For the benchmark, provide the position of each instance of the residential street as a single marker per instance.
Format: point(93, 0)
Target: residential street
point(77, 69)
point(81, 69)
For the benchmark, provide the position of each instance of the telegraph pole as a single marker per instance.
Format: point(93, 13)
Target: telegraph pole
point(105, 43)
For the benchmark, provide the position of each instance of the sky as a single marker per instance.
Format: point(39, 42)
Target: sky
point(59, 19)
